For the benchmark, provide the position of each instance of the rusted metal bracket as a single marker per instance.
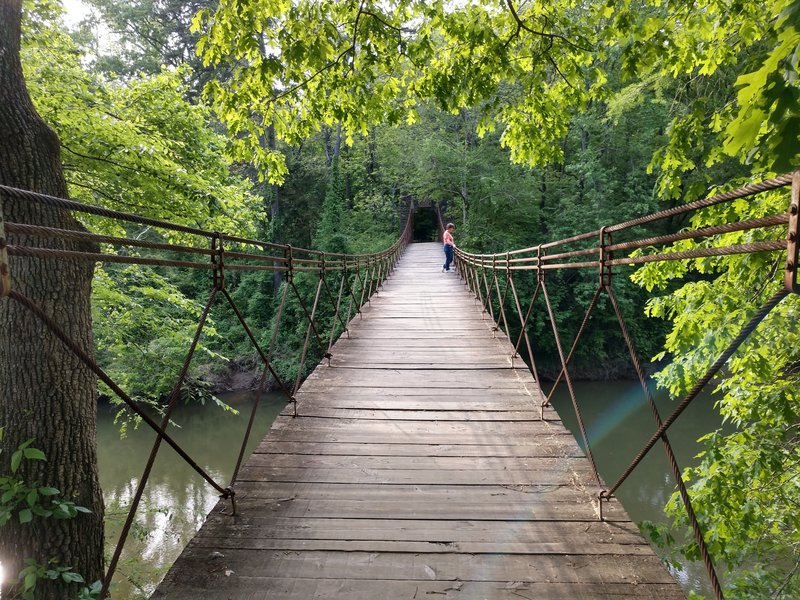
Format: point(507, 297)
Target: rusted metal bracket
point(793, 238)
point(603, 496)
point(605, 256)
point(218, 261)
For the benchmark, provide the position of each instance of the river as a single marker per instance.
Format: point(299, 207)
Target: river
point(176, 499)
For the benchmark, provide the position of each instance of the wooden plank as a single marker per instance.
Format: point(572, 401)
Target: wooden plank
point(300, 588)
point(505, 431)
point(311, 410)
point(594, 569)
point(421, 464)
point(490, 379)
point(496, 510)
point(565, 492)
point(410, 476)
point(228, 541)
point(535, 501)
point(506, 395)
point(561, 446)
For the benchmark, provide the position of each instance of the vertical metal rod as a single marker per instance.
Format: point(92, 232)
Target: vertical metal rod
point(673, 462)
point(790, 279)
point(502, 301)
point(524, 322)
point(364, 284)
point(309, 316)
point(335, 313)
point(575, 406)
point(372, 268)
point(262, 384)
point(351, 300)
point(586, 316)
point(264, 358)
point(305, 344)
point(524, 332)
point(488, 298)
point(278, 320)
point(173, 399)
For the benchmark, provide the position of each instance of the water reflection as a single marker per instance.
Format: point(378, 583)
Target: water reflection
point(176, 499)
point(618, 424)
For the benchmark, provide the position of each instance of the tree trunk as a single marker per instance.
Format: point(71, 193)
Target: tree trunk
point(46, 394)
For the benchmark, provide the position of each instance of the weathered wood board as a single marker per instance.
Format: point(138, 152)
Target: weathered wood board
point(420, 465)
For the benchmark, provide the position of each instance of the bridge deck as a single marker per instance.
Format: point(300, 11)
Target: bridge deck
point(419, 468)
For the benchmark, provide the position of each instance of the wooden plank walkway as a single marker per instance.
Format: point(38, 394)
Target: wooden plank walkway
point(419, 468)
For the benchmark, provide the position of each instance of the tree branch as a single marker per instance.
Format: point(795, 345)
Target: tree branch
point(552, 36)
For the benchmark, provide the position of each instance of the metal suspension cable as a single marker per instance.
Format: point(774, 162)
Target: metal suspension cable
point(596, 251)
point(369, 269)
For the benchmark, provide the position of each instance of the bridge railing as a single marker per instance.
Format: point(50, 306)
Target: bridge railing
point(345, 283)
point(491, 277)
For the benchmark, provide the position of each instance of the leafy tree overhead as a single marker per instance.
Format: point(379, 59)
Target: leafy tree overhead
point(353, 105)
point(305, 64)
point(146, 35)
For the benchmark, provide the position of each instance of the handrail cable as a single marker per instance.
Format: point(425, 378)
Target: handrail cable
point(598, 244)
point(358, 274)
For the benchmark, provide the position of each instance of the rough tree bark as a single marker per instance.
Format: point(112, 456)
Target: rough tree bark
point(45, 392)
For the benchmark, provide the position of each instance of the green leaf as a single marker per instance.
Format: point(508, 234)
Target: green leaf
point(71, 577)
point(25, 516)
point(16, 460)
point(34, 454)
point(30, 580)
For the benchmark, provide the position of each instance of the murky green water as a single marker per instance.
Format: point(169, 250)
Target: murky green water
point(177, 499)
point(618, 423)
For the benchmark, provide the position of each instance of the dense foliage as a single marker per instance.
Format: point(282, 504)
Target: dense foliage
point(327, 116)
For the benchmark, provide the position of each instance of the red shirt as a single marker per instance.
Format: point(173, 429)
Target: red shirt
point(447, 238)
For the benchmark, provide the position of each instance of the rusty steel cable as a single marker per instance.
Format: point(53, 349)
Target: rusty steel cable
point(142, 483)
point(525, 260)
point(105, 378)
point(86, 236)
point(742, 192)
point(568, 380)
point(376, 269)
point(673, 461)
point(523, 330)
point(304, 352)
point(691, 234)
point(71, 205)
point(701, 383)
point(586, 317)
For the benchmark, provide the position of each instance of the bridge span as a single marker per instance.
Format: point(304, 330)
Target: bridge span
point(420, 465)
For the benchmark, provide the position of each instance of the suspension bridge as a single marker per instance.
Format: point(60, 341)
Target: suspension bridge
point(420, 458)
point(418, 465)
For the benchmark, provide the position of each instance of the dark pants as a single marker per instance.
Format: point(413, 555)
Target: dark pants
point(448, 256)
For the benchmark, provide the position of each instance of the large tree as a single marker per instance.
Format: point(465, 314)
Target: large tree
point(46, 394)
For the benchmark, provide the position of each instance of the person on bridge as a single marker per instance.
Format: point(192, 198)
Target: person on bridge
point(449, 246)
